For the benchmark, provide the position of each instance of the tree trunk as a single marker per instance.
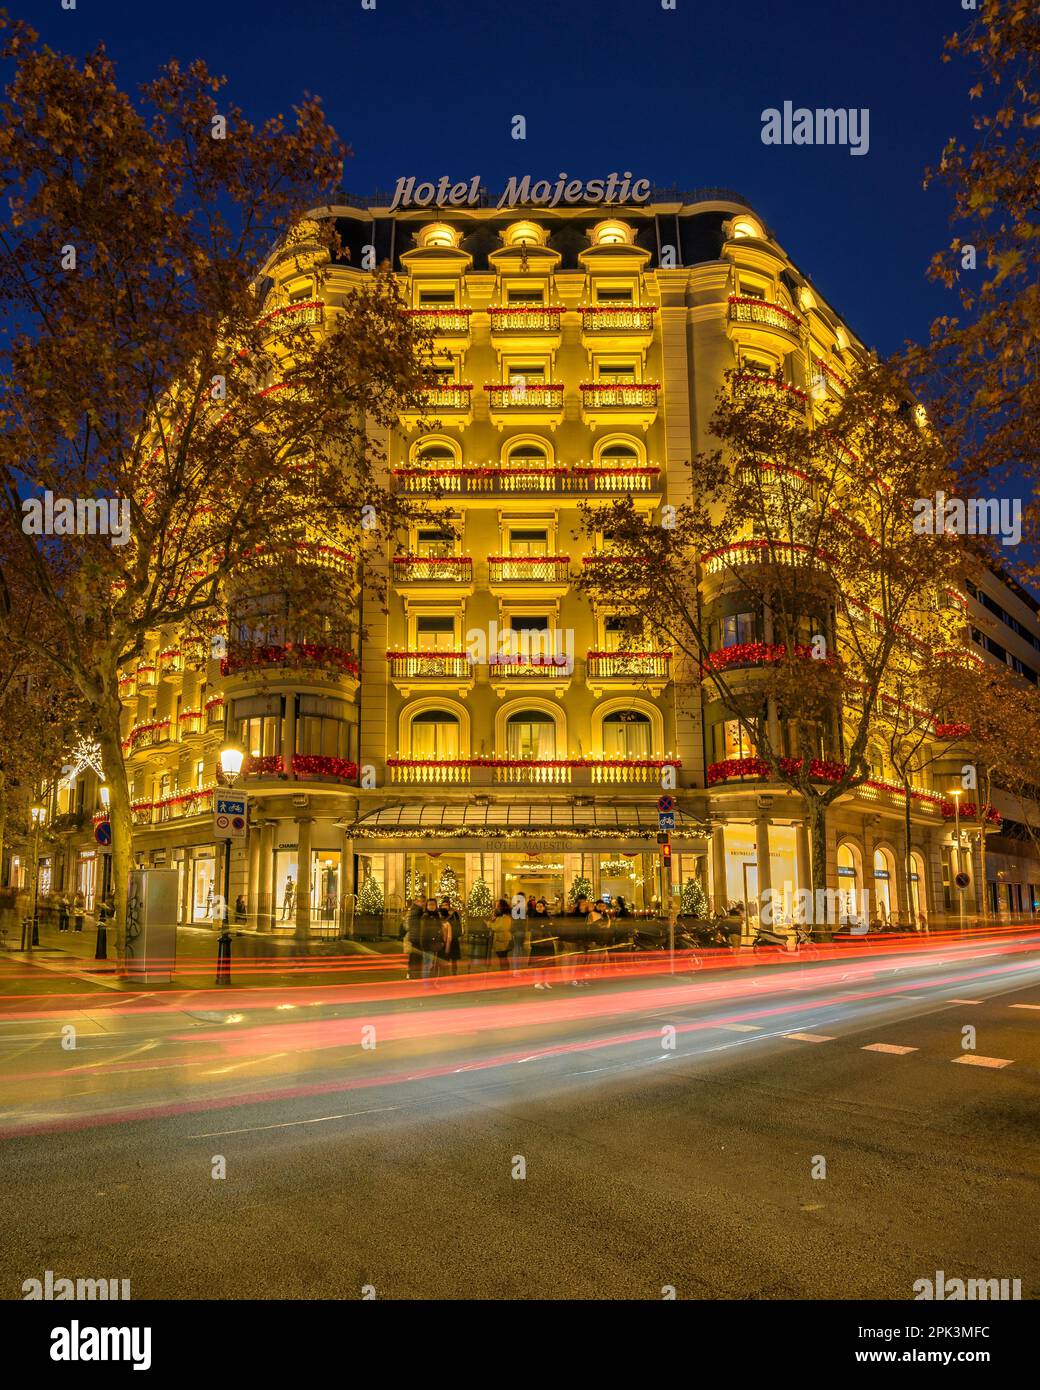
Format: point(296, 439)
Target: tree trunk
point(121, 820)
point(3, 823)
point(908, 863)
point(818, 913)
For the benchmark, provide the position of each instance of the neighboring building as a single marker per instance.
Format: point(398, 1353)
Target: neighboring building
point(579, 352)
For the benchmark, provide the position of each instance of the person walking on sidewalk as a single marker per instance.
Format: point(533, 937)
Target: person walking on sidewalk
point(502, 933)
point(453, 945)
point(432, 929)
point(521, 938)
point(412, 946)
point(79, 907)
point(63, 912)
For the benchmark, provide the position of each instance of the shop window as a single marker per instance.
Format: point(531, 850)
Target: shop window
point(627, 734)
point(531, 734)
point(260, 736)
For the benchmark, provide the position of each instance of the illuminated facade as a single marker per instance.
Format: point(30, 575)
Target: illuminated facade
point(579, 351)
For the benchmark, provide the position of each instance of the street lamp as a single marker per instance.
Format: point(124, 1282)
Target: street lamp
point(231, 759)
point(957, 793)
point(101, 940)
point(38, 814)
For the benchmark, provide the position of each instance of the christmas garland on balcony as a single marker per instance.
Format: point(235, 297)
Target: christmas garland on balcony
point(317, 765)
point(289, 655)
point(766, 304)
point(820, 769)
point(269, 765)
point(757, 654)
point(484, 761)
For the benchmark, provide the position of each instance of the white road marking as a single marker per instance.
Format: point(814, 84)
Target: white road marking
point(969, 1061)
point(1025, 1006)
point(967, 1001)
point(808, 1037)
point(291, 1124)
point(741, 1027)
point(888, 1047)
point(237, 1066)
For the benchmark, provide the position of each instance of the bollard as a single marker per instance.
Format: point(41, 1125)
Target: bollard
point(101, 948)
point(224, 958)
point(36, 932)
point(26, 933)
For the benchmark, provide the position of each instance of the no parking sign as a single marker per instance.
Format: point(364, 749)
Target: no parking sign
point(229, 817)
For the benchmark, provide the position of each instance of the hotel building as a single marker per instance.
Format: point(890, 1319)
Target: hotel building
point(578, 353)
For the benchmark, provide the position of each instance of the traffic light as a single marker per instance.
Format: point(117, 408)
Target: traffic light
point(666, 854)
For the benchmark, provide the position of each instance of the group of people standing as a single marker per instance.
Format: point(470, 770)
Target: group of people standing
point(524, 933)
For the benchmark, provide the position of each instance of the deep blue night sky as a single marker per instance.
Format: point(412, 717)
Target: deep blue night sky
point(674, 96)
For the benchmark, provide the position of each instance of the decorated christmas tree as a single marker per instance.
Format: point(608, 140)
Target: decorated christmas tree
point(449, 887)
point(370, 899)
point(415, 885)
point(580, 888)
point(694, 900)
point(480, 903)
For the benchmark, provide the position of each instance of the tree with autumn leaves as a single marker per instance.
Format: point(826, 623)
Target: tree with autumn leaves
point(980, 371)
point(794, 583)
point(142, 366)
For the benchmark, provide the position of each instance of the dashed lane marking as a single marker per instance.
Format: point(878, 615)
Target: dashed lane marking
point(808, 1037)
point(964, 1001)
point(741, 1027)
point(969, 1061)
point(1025, 1006)
point(888, 1047)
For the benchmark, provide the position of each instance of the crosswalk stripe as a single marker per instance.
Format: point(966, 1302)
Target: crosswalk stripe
point(887, 1047)
point(970, 1061)
point(808, 1037)
point(741, 1027)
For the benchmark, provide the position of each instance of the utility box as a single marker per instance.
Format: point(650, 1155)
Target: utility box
point(151, 926)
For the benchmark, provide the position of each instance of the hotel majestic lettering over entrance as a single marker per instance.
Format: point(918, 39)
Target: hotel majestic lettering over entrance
point(615, 188)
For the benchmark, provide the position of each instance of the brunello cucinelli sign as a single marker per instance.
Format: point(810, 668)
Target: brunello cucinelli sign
point(522, 192)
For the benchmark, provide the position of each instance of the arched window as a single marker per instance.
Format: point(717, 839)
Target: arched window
point(435, 734)
point(627, 734)
point(526, 454)
point(618, 454)
point(884, 887)
point(434, 456)
point(531, 733)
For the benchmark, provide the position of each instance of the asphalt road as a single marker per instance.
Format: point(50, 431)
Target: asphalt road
point(507, 1143)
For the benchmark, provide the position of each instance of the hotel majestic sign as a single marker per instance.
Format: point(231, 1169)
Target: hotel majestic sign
point(522, 192)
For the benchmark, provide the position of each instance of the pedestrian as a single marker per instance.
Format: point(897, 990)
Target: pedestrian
point(453, 942)
point(240, 909)
point(733, 926)
point(502, 933)
point(922, 922)
point(410, 936)
point(79, 907)
point(289, 898)
point(622, 907)
point(63, 913)
point(432, 928)
point(543, 941)
point(521, 937)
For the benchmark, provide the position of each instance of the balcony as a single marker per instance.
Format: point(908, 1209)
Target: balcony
point(421, 571)
point(182, 806)
point(171, 663)
point(214, 712)
point(522, 324)
point(264, 765)
point(544, 570)
point(451, 404)
point(478, 482)
point(755, 656)
point(450, 328)
point(608, 403)
point(828, 384)
point(292, 316)
point(429, 771)
point(616, 480)
point(191, 723)
point(542, 672)
point(147, 678)
point(430, 670)
point(610, 326)
point(333, 662)
point(613, 670)
point(312, 554)
point(757, 551)
point(537, 772)
point(752, 385)
point(149, 735)
point(761, 322)
point(318, 768)
point(525, 403)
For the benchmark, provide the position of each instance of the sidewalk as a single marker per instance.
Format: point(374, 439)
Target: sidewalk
point(72, 953)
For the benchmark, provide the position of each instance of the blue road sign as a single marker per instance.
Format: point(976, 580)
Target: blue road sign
point(103, 832)
point(666, 820)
